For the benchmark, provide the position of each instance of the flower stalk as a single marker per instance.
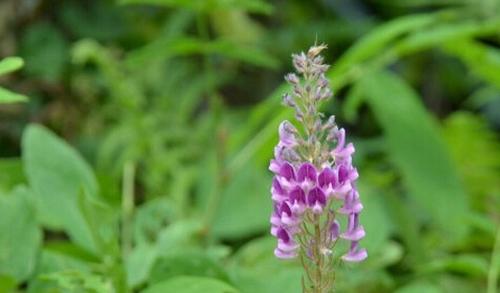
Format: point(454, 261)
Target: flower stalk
point(314, 180)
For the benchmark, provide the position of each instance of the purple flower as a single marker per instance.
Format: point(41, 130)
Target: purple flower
point(314, 178)
point(355, 253)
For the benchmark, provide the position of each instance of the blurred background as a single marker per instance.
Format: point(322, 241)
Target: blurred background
point(135, 137)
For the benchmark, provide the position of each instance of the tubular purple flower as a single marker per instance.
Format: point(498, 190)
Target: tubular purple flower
point(313, 170)
point(355, 253)
point(354, 231)
point(334, 230)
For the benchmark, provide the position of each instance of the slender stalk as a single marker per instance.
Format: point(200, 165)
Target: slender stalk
point(127, 206)
point(318, 254)
point(494, 265)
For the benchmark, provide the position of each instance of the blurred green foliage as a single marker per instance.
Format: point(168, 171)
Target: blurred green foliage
point(160, 117)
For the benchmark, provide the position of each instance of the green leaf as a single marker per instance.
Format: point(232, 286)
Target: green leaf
point(10, 97)
point(209, 5)
point(245, 204)
point(380, 38)
point(12, 173)
point(190, 262)
point(58, 174)
point(256, 269)
point(419, 287)
point(186, 284)
point(469, 138)
point(20, 237)
point(416, 148)
point(165, 48)
point(482, 60)
point(7, 284)
point(374, 219)
point(139, 263)
point(51, 262)
point(10, 64)
point(467, 264)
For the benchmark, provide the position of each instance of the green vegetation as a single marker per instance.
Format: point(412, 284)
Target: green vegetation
point(135, 137)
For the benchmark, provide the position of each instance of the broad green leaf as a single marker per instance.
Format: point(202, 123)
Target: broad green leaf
point(20, 236)
point(482, 60)
point(52, 262)
point(138, 264)
point(380, 38)
point(467, 264)
point(149, 218)
point(7, 283)
point(185, 284)
point(469, 138)
point(78, 281)
point(178, 236)
point(7, 96)
point(245, 204)
point(12, 174)
point(191, 263)
point(374, 219)
point(419, 287)
point(416, 148)
point(165, 48)
point(10, 64)
point(255, 269)
point(209, 5)
point(57, 175)
point(446, 33)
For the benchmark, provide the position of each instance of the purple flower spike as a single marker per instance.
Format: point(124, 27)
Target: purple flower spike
point(313, 168)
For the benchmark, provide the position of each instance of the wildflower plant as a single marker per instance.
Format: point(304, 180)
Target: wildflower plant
point(314, 180)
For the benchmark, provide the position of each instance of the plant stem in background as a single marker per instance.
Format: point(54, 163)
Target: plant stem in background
point(127, 206)
point(494, 265)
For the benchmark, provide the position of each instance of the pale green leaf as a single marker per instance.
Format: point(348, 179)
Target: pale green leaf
point(185, 284)
point(165, 48)
point(416, 148)
point(57, 175)
point(482, 60)
point(10, 64)
point(7, 96)
point(209, 5)
point(419, 287)
point(20, 236)
point(245, 204)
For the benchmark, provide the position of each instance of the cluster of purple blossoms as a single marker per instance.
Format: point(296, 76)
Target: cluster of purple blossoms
point(314, 180)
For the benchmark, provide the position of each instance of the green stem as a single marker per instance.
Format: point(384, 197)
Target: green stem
point(494, 265)
point(127, 206)
point(318, 255)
